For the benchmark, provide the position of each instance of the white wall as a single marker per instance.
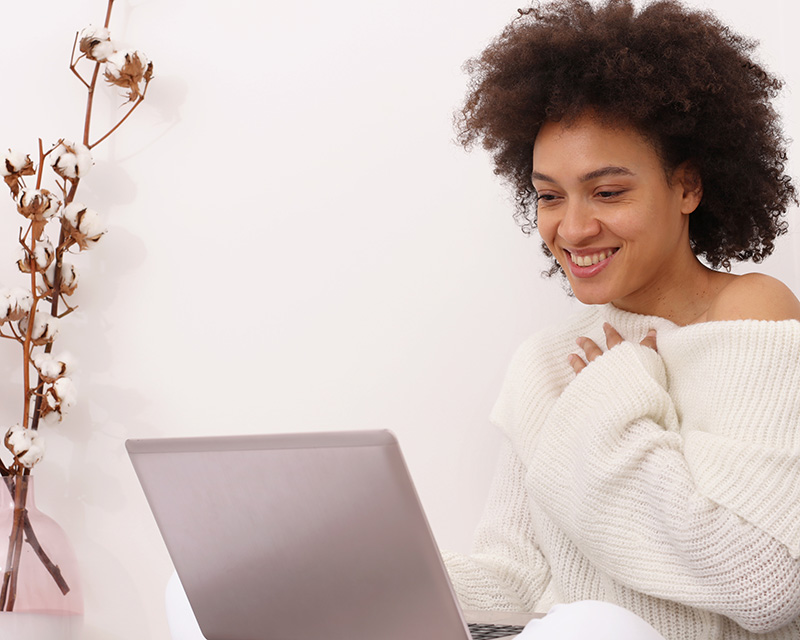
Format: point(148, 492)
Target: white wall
point(295, 243)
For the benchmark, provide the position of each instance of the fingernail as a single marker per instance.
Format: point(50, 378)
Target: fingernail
point(651, 333)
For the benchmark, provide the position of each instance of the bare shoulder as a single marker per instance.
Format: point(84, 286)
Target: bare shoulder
point(754, 296)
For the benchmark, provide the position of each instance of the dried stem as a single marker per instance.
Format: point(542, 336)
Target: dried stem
point(52, 569)
point(108, 14)
point(65, 313)
point(8, 595)
point(42, 156)
point(14, 331)
point(20, 515)
point(73, 62)
point(89, 103)
point(17, 476)
point(87, 122)
point(26, 348)
point(139, 101)
point(56, 296)
point(11, 576)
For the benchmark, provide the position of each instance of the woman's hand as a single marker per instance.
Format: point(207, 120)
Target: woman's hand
point(592, 351)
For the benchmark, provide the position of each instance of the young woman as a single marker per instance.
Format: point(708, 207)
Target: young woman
point(652, 450)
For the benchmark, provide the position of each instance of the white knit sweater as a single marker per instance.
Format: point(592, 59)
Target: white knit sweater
point(668, 483)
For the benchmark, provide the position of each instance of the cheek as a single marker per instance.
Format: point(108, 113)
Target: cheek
point(649, 225)
point(634, 223)
point(548, 227)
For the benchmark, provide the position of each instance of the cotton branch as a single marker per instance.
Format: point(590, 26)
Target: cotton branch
point(33, 328)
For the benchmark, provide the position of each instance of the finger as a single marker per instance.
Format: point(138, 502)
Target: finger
point(650, 340)
point(590, 348)
point(612, 335)
point(576, 362)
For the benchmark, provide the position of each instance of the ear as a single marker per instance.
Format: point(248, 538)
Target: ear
point(687, 177)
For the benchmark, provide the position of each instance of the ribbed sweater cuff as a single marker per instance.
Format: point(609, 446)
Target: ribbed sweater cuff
point(625, 383)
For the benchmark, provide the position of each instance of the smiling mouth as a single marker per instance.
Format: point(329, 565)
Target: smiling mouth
point(590, 259)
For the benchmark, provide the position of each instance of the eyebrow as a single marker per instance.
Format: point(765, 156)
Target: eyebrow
point(592, 175)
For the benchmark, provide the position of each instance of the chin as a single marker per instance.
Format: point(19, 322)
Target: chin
point(593, 300)
point(587, 296)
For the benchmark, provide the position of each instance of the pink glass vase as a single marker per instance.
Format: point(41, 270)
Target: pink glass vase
point(47, 601)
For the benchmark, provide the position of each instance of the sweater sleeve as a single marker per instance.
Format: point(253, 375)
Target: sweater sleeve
point(614, 476)
point(506, 570)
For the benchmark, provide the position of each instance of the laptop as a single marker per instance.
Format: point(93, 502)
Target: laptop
point(302, 537)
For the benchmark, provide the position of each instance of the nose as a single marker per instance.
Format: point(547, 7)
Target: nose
point(578, 223)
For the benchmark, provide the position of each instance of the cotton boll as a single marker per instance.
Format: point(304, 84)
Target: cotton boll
point(129, 70)
point(91, 225)
point(71, 160)
point(16, 163)
point(18, 440)
point(37, 204)
point(24, 263)
point(92, 32)
point(43, 288)
point(115, 64)
point(45, 282)
point(5, 305)
point(22, 298)
point(102, 50)
point(33, 455)
point(72, 212)
point(13, 166)
point(44, 330)
point(83, 224)
point(69, 361)
point(95, 43)
point(21, 302)
point(66, 362)
point(10, 308)
point(51, 417)
point(66, 393)
point(59, 396)
point(50, 401)
point(84, 158)
point(49, 367)
point(43, 256)
point(69, 278)
point(27, 445)
point(66, 165)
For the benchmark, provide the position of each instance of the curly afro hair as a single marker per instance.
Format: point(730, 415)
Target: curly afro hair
point(681, 77)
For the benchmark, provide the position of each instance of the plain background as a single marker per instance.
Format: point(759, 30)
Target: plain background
point(295, 243)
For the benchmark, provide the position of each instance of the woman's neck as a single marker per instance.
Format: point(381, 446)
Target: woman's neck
point(685, 299)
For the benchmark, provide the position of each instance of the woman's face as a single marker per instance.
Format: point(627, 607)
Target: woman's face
point(617, 224)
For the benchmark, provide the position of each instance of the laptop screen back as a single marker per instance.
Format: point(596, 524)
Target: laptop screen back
point(298, 536)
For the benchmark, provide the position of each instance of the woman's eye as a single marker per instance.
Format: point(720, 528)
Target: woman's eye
point(545, 197)
point(608, 194)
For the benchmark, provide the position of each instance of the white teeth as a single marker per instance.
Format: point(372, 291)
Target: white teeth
point(589, 260)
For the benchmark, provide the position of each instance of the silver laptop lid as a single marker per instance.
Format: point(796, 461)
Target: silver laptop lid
point(298, 536)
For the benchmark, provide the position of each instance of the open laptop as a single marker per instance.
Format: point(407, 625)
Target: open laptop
point(302, 537)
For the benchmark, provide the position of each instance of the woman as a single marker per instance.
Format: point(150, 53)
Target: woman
point(657, 465)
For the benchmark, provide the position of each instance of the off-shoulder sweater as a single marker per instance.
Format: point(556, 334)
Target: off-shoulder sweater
point(666, 482)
